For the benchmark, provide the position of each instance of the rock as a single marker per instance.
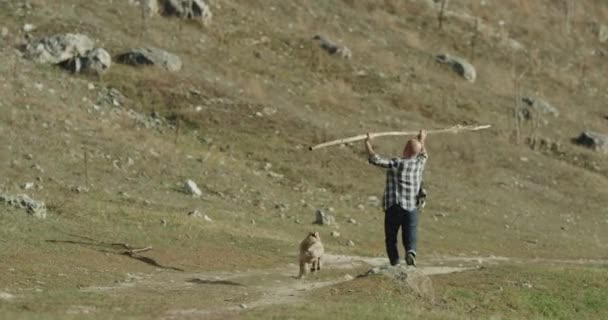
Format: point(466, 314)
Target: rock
point(191, 188)
point(59, 48)
point(348, 277)
point(4, 32)
point(110, 97)
point(373, 201)
point(332, 48)
point(350, 243)
point(195, 214)
point(353, 221)
point(163, 222)
point(602, 33)
point(243, 306)
point(188, 9)
point(151, 56)
point(335, 234)
point(324, 218)
point(406, 279)
point(5, 296)
point(33, 207)
point(595, 141)
point(538, 105)
point(206, 218)
point(28, 27)
point(150, 7)
point(96, 61)
point(459, 65)
point(27, 186)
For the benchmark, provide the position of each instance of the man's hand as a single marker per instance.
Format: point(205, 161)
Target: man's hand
point(368, 145)
point(422, 135)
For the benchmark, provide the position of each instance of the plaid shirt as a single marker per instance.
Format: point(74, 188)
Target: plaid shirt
point(403, 179)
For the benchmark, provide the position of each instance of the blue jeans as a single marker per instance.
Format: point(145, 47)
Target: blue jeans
point(396, 217)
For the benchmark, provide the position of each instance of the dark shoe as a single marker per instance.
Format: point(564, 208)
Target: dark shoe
point(410, 259)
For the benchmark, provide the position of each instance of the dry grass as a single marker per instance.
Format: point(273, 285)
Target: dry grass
point(478, 182)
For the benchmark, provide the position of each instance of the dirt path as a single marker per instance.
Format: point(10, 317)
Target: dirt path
point(236, 291)
point(231, 292)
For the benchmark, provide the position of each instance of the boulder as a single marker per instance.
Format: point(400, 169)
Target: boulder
point(602, 33)
point(188, 9)
point(459, 65)
point(593, 140)
point(405, 279)
point(97, 61)
point(324, 218)
point(538, 105)
point(151, 56)
point(33, 207)
point(332, 48)
point(191, 188)
point(59, 48)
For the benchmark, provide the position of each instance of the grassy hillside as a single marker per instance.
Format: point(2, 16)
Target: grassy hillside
point(254, 93)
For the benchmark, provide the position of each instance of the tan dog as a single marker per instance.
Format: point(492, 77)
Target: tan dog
point(311, 250)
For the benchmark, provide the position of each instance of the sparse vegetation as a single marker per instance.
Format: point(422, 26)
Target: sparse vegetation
point(253, 94)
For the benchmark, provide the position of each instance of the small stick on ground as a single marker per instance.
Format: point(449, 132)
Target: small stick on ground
point(132, 251)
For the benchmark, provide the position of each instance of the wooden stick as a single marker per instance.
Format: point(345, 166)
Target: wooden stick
point(453, 129)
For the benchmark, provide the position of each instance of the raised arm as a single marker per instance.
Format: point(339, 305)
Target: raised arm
point(422, 138)
point(373, 158)
point(368, 146)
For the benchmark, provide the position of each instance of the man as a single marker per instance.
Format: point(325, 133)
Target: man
point(403, 182)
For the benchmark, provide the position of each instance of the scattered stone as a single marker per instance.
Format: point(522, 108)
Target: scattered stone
point(151, 56)
point(110, 97)
point(79, 189)
point(252, 222)
point(27, 186)
point(335, 234)
point(163, 222)
point(6, 296)
point(332, 48)
point(243, 306)
point(4, 32)
point(538, 105)
point(594, 140)
point(459, 65)
point(28, 27)
point(348, 277)
point(33, 207)
point(59, 48)
point(373, 201)
point(350, 243)
point(353, 221)
point(360, 207)
point(275, 175)
point(602, 33)
point(206, 218)
point(191, 188)
point(324, 218)
point(195, 214)
point(269, 111)
point(267, 166)
point(29, 156)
